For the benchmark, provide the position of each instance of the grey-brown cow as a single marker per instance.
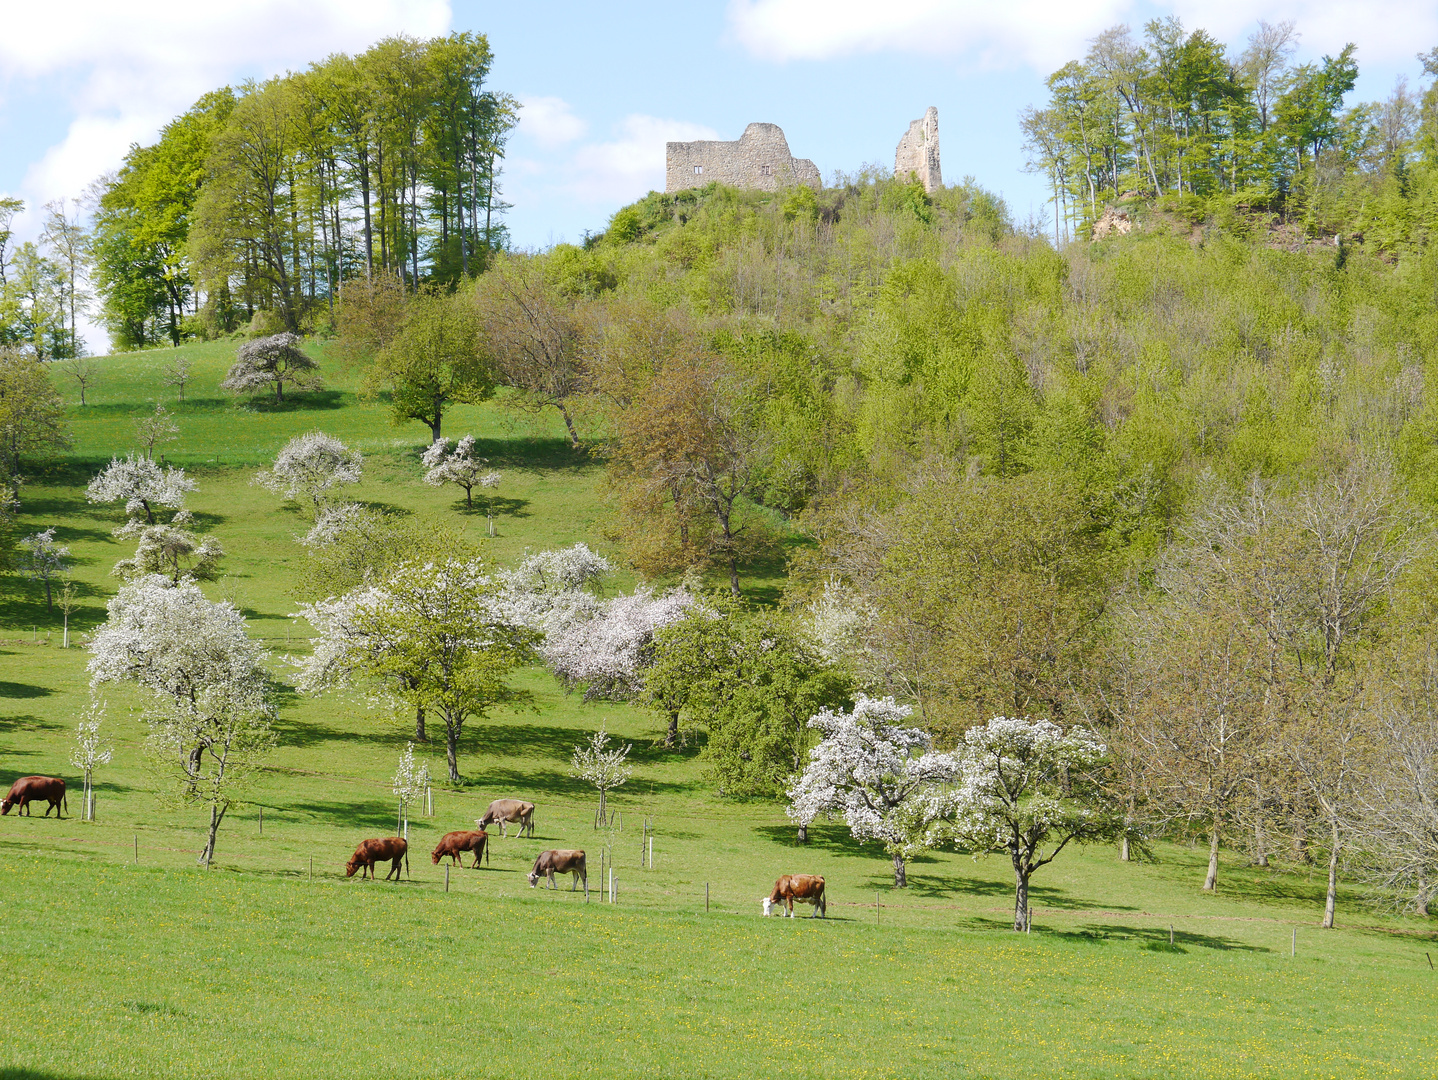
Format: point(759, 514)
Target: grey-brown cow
point(550, 863)
point(509, 811)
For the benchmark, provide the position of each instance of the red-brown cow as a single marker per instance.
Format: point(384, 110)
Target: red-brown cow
point(550, 863)
point(30, 789)
point(806, 888)
point(455, 844)
point(509, 811)
point(393, 848)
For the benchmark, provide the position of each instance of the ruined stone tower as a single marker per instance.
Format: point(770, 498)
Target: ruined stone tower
point(918, 152)
point(760, 159)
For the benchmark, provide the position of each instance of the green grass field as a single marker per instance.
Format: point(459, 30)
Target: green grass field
point(118, 966)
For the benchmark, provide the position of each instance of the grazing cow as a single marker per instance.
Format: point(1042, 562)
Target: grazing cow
point(509, 811)
point(550, 863)
point(394, 848)
point(806, 888)
point(30, 789)
point(455, 844)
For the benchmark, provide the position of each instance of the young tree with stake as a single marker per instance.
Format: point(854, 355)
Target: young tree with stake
point(601, 766)
point(90, 752)
point(151, 431)
point(410, 782)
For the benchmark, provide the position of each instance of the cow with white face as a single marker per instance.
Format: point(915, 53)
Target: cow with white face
point(806, 888)
point(550, 863)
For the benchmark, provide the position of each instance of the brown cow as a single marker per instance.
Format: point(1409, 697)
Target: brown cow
point(394, 848)
point(550, 863)
point(508, 811)
point(30, 789)
point(802, 887)
point(455, 844)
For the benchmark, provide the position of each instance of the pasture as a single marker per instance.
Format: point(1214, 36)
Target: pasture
point(122, 958)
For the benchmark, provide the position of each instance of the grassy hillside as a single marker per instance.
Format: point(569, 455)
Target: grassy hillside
point(257, 968)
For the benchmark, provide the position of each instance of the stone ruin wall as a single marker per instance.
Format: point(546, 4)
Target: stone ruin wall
point(918, 152)
point(760, 158)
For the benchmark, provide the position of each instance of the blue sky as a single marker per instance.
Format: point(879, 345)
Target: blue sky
point(605, 85)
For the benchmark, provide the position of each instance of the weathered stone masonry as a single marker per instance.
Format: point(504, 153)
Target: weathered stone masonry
point(759, 159)
point(918, 152)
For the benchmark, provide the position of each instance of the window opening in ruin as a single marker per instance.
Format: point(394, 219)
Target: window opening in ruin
point(698, 169)
point(766, 170)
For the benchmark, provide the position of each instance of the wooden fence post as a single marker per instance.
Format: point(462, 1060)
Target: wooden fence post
point(137, 847)
point(706, 897)
point(876, 908)
point(1293, 948)
point(446, 877)
point(262, 821)
point(651, 853)
point(312, 867)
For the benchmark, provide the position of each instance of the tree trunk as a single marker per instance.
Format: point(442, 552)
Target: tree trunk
point(217, 815)
point(1332, 900)
point(49, 596)
point(451, 751)
point(1021, 897)
point(435, 424)
point(601, 804)
point(901, 872)
point(671, 737)
point(569, 424)
point(734, 575)
point(1210, 883)
point(803, 832)
point(419, 735)
point(280, 390)
point(1123, 852)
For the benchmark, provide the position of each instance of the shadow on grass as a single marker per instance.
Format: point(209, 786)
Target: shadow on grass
point(764, 578)
point(23, 690)
point(364, 815)
point(500, 782)
point(39, 1074)
point(306, 735)
point(26, 722)
point(298, 401)
point(502, 506)
point(1153, 939)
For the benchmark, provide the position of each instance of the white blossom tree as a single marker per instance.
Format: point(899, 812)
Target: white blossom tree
point(90, 752)
point(410, 781)
point(880, 775)
point(174, 552)
point(311, 466)
point(606, 650)
point(210, 717)
point(550, 588)
point(1030, 789)
point(459, 466)
point(43, 560)
point(601, 765)
point(142, 485)
point(271, 361)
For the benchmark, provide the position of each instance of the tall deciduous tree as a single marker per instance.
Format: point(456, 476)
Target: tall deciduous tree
point(32, 413)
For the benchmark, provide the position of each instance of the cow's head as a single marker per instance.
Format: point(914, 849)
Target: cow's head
point(768, 907)
point(488, 819)
point(8, 802)
point(434, 856)
point(351, 867)
point(533, 878)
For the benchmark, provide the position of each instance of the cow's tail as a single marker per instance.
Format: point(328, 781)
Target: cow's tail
point(406, 863)
point(65, 799)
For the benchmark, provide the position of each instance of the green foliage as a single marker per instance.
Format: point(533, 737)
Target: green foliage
point(750, 681)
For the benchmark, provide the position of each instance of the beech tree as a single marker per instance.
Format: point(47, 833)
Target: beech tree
point(311, 466)
point(211, 712)
point(879, 774)
point(1030, 789)
point(270, 361)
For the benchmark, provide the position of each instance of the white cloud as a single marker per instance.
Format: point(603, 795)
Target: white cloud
point(627, 167)
point(1046, 33)
point(549, 121)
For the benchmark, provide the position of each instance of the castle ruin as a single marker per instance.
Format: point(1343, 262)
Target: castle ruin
point(759, 159)
point(918, 152)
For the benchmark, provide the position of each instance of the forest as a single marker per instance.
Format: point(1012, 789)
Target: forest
point(1168, 490)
